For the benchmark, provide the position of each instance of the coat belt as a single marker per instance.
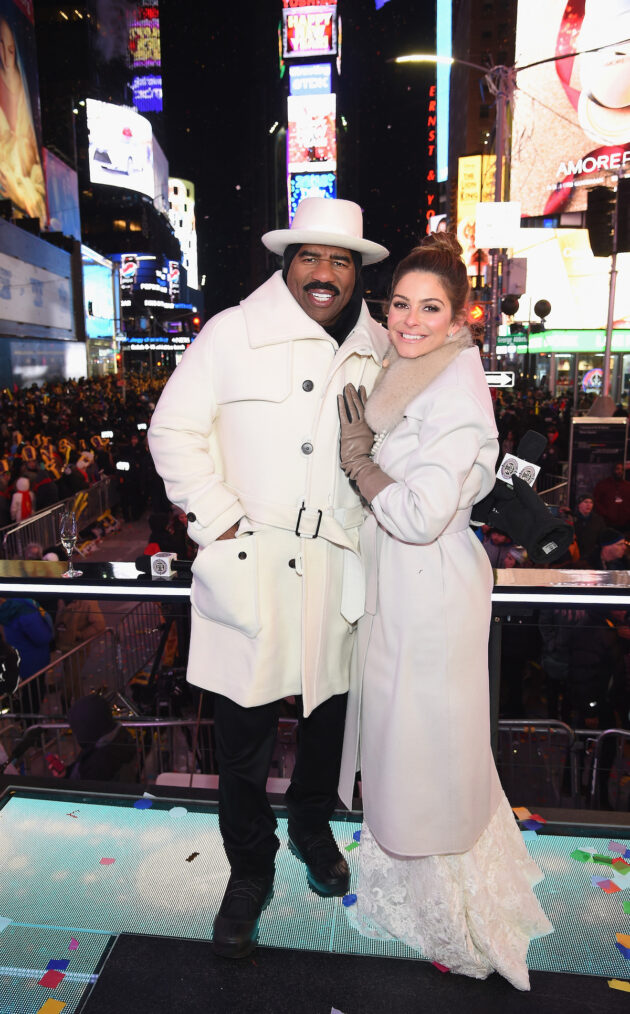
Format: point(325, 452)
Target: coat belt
point(306, 521)
point(459, 522)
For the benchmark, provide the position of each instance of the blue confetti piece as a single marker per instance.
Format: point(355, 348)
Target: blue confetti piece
point(626, 854)
point(143, 804)
point(596, 878)
point(357, 836)
point(348, 900)
point(531, 825)
point(59, 964)
point(529, 834)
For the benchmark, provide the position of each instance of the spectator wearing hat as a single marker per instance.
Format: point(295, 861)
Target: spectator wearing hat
point(22, 501)
point(45, 488)
point(108, 750)
point(588, 525)
point(611, 498)
point(610, 552)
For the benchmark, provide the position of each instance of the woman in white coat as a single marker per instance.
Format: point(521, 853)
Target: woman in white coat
point(443, 866)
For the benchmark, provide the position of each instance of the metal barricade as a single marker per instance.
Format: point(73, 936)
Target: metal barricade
point(92, 665)
point(536, 761)
point(553, 490)
point(605, 768)
point(43, 527)
point(139, 635)
point(161, 745)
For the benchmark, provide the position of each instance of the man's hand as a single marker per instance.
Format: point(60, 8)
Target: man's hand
point(230, 534)
point(356, 436)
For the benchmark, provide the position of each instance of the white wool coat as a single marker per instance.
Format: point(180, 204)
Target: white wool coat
point(247, 428)
point(419, 688)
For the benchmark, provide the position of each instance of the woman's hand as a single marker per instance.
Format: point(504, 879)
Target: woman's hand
point(356, 436)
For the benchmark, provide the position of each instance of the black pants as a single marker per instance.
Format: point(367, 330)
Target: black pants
point(245, 739)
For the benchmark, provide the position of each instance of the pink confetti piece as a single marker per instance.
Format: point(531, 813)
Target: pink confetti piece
point(107, 862)
point(616, 846)
point(73, 945)
point(440, 968)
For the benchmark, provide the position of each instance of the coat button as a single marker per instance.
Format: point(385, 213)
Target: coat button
point(308, 385)
point(292, 564)
point(307, 448)
point(191, 517)
point(242, 556)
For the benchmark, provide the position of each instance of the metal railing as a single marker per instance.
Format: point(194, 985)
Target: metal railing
point(536, 761)
point(90, 505)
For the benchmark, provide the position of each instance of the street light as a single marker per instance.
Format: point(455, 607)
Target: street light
point(501, 82)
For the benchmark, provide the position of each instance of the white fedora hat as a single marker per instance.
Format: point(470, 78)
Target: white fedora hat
point(328, 222)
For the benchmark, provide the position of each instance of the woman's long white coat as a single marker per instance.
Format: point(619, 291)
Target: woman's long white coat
point(420, 679)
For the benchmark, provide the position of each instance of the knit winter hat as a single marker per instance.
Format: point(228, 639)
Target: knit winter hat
point(609, 537)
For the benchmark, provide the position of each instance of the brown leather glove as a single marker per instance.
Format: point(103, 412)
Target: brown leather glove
point(356, 443)
point(356, 436)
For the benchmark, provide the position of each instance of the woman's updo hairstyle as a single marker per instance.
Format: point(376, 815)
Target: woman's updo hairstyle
point(441, 254)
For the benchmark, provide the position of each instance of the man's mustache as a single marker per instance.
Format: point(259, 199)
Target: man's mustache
point(326, 286)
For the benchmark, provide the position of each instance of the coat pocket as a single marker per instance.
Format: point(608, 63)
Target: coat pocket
point(225, 584)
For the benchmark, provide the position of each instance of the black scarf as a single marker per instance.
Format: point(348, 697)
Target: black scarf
point(350, 313)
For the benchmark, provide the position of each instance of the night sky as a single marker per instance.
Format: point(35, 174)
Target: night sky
point(222, 93)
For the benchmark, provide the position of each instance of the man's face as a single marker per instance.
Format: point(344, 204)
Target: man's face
point(614, 552)
point(321, 279)
point(585, 507)
point(618, 471)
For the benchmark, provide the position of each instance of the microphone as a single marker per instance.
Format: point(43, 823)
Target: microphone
point(31, 738)
point(514, 507)
point(9, 667)
point(162, 565)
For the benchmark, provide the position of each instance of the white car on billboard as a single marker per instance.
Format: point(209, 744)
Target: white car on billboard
point(121, 147)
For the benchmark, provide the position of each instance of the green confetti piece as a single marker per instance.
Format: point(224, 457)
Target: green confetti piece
point(605, 860)
point(626, 907)
point(352, 845)
point(582, 857)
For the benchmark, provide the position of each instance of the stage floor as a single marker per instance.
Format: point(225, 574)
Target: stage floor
point(78, 869)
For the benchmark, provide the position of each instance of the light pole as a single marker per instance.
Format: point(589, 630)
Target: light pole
point(500, 81)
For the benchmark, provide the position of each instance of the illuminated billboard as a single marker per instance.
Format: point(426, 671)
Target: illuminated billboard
point(571, 127)
point(181, 200)
point(561, 268)
point(310, 79)
point(144, 35)
point(310, 31)
point(160, 177)
point(475, 184)
point(62, 196)
point(303, 185)
point(121, 147)
point(147, 93)
point(21, 175)
point(312, 138)
point(98, 295)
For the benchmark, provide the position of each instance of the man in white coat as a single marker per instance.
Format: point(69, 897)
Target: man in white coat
point(246, 438)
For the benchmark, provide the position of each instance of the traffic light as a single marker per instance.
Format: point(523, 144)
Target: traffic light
point(477, 313)
point(600, 211)
point(623, 215)
point(196, 323)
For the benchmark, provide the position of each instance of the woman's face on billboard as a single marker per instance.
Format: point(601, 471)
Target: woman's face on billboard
point(7, 46)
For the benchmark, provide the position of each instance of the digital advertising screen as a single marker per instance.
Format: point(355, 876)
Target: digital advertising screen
point(22, 175)
point(303, 185)
point(310, 79)
point(121, 147)
point(148, 281)
point(160, 176)
point(147, 93)
point(571, 127)
point(312, 136)
point(309, 31)
point(98, 296)
point(144, 35)
point(475, 183)
point(561, 268)
point(62, 196)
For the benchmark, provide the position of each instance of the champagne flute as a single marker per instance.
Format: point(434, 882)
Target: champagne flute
point(68, 535)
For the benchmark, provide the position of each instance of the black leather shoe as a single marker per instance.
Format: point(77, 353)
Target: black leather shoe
point(326, 869)
point(236, 924)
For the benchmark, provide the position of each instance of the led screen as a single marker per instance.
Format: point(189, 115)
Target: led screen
point(147, 93)
point(303, 185)
point(310, 79)
point(144, 35)
point(98, 297)
point(160, 176)
point(310, 31)
point(21, 175)
point(62, 196)
point(121, 147)
point(312, 142)
point(572, 116)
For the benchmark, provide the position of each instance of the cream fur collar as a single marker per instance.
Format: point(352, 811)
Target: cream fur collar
point(402, 380)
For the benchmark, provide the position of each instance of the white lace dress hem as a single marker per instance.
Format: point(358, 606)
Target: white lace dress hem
point(473, 912)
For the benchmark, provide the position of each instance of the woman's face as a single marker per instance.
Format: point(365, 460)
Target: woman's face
point(420, 315)
point(7, 46)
